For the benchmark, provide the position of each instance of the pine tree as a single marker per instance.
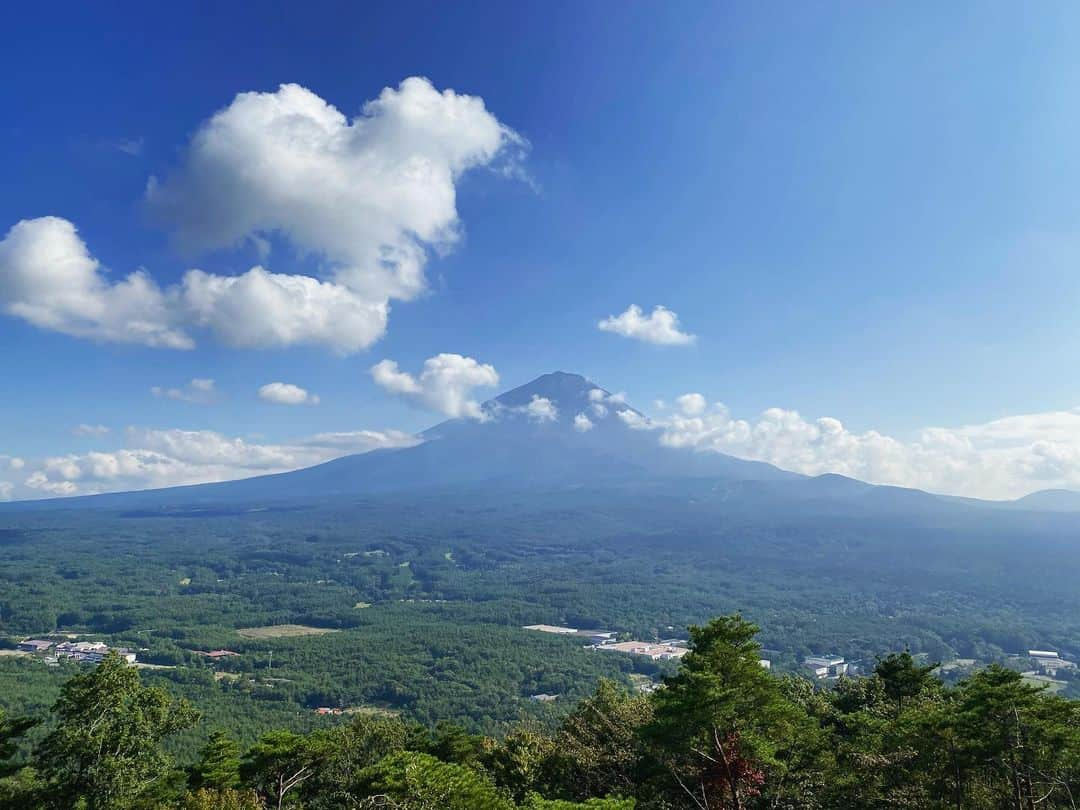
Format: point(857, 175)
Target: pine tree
point(723, 723)
point(105, 751)
point(219, 762)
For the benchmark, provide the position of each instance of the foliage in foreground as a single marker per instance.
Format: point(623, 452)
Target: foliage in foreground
point(722, 733)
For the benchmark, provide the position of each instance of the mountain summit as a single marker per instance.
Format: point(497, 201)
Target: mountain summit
point(558, 401)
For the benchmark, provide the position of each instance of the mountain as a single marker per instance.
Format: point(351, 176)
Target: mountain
point(1049, 500)
point(561, 432)
point(513, 447)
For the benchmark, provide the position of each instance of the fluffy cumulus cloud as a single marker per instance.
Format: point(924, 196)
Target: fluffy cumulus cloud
point(369, 198)
point(201, 391)
point(542, 409)
point(287, 394)
point(634, 420)
point(582, 423)
point(259, 309)
point(660, 327)
point(445, 385)
point(49, 278)
point(600, 402)
point(1005, 458)
point(160, 458)
point(691, 404)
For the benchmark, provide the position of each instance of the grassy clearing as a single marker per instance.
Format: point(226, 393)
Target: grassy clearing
point(371, 710)
point(283, 631)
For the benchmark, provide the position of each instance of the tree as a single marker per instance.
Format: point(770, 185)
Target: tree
point(722, 723)
point(222, 799)
point(598, 750)
point(282, 761)
point(902, 678)
point(534, 802)
point(520, 759)
point(413, 781)
point(11, 729)
point(452, 743)
point(349, 749)
point(106, 749)
point(1023, 743)
point(219, 762)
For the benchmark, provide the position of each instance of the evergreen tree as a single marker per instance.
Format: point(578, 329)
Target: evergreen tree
point(903, 679)
point(105, 752)
point(281, 761)
point(222, 799)
point(1023, 744)
point(414, 781)
point(219, 762)
point(11, 729)
point(598, 749)
point(722, 723)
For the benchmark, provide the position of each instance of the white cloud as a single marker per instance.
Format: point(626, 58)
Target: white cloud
point(160, 458)
point(542, 409)
point(1004, 458)
point(49, 278)
point(6, 490)
point(287, 394)
point(368, 198)
point(660, 327)
point(634, 420)
point(691, 404)
point(12, 462)
point(360, 441)
point(582, 423)
point(445, 385)
point(259, 309)
point(200, 391)
point(86, 430)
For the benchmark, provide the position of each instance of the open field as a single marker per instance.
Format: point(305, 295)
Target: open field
point(283, 631)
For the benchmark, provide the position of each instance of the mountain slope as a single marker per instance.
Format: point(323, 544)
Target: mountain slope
point(561, 432)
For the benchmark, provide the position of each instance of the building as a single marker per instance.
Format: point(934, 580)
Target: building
point(1049, 662)
point(826, 666)
point(657, 652)
point(551, 628)
point(215, 654)
point(765, 662)
point(90, 652)
point(592, 636)
point(596, 636)
point(543, 698)
point(35, 645)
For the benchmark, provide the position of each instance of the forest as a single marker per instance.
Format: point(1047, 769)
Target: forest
point(721, 732)
point(416, 606)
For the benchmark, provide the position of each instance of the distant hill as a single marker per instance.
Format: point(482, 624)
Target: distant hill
point(1050, 500)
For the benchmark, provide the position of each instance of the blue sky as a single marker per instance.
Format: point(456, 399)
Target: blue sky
point(861, 211)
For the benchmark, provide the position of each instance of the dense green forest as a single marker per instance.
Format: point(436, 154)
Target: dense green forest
point(425, 599)
point(721, 732)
